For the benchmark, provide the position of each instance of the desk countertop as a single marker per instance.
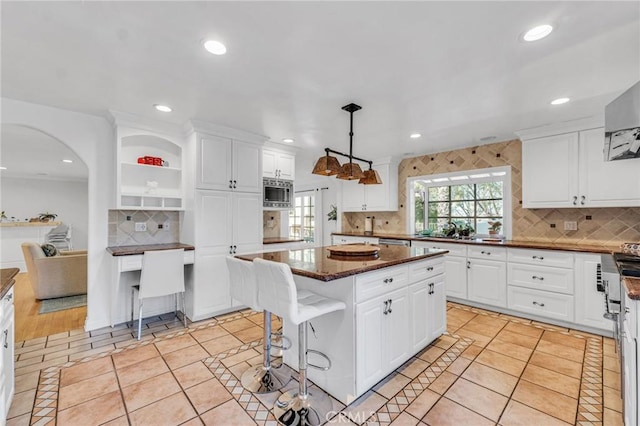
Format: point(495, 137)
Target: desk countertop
point(6, 279)
point(140, 249)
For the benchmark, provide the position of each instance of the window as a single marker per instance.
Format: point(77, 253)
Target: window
point(302, 218)
point(476, 198)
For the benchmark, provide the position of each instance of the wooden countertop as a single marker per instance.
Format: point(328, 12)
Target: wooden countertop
point(316, 263)
point(140, 249)
point(6, 280)
point(542, 245)
point(632, 285)
point(276, 240)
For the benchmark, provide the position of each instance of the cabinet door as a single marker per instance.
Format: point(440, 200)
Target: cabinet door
point(247, 219)
point(550, 171)
point(246, 167)
point(589, 302)
point(397, 338)
point(377, 197)
point(352, 196)
point(456, 276)
point(437, 308)
point(370, 320)
point(7, 366)
point(487, 282)
point(214, 163)
point(606, 183)
point(209, 293)
point(286, 166)
point(269, 162)
point(214, 216)
point(420, 315)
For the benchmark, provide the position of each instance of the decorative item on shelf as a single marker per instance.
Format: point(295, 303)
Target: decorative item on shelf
point(152, 187)
point(494, 227)
point(152, 161)
point(46, 217)
point(3, 217)
point(333, 213)
point(329, 166)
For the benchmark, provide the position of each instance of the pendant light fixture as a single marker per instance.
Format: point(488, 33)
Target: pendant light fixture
point(329, 166)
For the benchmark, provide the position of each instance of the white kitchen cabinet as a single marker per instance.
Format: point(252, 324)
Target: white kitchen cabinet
point(590, 303)
point(630, 360)
point(352, 239)
point(542, 303)
point(455, 266)
point(487, 281)
point(145, 186)
point(372, 198)
point(278, 165)
point(568, 170)
point(227, 223)
point(227, 164)
point(428, 311)
point(7, 358)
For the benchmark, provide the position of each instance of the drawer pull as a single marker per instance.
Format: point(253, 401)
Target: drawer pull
point(9, 297)
point(538, 304)
point(387, 280)
point(538, 257)
point(6, 338)
point(535, 277)
point(429, 268)
point(386, 307)
point(488, 253)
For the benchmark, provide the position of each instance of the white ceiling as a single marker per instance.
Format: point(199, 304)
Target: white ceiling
point(453, 71)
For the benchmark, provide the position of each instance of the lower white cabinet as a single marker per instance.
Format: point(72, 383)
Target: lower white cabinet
point(543, 303)
point(630, 360)
point(590, 304)
point(428, 311)
point(487, 281)
point(7, 358)
point(455, 266)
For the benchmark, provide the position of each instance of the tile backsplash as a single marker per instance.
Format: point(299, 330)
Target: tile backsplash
point(122, 227)
point(271, 224)
point(595, 226)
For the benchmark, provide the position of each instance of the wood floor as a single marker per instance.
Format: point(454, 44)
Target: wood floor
point(30, 324)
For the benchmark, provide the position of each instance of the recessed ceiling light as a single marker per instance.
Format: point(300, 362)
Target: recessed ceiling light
point(560, 101)
point(162, 108)
point(287, 140)
point(415, 135)
point(67, 161)
point(3, 168)
point(536, 33)
point(215, 47)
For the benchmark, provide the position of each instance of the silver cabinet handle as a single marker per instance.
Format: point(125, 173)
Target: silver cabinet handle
point(535, 277)
point(575, 200)
point(6, 338)
point(429, 268)
point(488, 253)
point(538, 257)
point(390, 302)
point(582, 200)
point(539, 304)
point(386, 307)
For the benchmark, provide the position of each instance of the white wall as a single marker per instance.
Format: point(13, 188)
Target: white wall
point(92, 139)
point(26, 198)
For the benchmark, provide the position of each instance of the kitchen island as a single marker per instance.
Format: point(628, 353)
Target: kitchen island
point(395, 303)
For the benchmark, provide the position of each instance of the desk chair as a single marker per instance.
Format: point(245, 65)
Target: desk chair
point(162, 274)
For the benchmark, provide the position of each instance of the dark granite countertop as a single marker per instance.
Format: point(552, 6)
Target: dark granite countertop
point(317, 263)
point(542, 245)
point(276, 240)
point(632, 285)
point(140, 249)
point(6, 280)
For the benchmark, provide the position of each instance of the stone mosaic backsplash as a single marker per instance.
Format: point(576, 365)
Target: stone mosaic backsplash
point(271, 224)
point(122, 227)
point(595, 226)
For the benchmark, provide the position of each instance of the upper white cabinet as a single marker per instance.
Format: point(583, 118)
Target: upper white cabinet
point(145, 186)
point(568, 170)
point(373, 198)
point(278, 165)
point(227, 164)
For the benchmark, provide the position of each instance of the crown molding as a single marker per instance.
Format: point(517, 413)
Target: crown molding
point(193, 126)
point(126, 119)
point(561, 127)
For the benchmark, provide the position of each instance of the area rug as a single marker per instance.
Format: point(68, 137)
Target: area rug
point(62, 303)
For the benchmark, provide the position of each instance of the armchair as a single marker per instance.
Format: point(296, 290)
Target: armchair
point(56, 276)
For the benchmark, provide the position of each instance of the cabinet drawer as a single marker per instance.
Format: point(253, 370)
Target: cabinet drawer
point(419, 271)
point(381, 282)
point(560, 259)
point(454, 248)
point(488, 252)
point(545, 304)
point(540, 277)
point(131, 263)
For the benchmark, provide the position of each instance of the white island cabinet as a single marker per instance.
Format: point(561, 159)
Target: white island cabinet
point(392, 313)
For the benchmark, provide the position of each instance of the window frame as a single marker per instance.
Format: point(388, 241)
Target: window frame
point(304, 207)
point(445, 179)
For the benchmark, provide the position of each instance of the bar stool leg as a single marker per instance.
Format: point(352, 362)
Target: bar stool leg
point(303, 407)
point(263, 378)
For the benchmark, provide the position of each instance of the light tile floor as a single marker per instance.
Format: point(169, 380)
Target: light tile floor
point(488, 369)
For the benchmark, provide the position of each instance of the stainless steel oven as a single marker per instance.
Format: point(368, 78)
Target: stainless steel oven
point(277, 193)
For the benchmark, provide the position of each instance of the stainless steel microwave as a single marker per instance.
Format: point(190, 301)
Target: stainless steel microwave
point(277, 193)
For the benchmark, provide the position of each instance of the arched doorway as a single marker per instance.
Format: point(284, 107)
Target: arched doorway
point(41, 175)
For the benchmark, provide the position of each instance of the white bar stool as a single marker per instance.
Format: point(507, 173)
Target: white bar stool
point(278, 293)
point(244, 288)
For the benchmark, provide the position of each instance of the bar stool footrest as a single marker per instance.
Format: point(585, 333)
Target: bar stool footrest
point(319, 367)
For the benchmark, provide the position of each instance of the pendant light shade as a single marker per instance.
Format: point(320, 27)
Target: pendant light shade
point(326, 166)
point(371, 177)
point(350, 171)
